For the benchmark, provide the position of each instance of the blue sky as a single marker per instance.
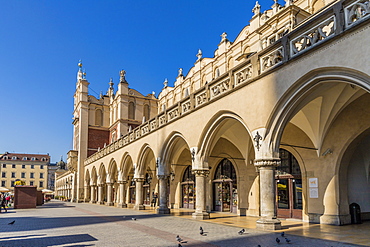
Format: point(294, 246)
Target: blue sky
point(42, 41)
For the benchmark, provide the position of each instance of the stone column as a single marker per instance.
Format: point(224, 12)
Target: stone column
point(200, 188)
point(122, 194)
point(86, 193)
point(163, 195)
point(109, 194)
point(93, 194)
point(100, 194)
point(268, 220)
point(139, 200)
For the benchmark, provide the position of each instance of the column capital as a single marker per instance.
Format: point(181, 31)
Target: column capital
point(201, 172)
point(273, 162)
point(139, 179)
point(162, 176)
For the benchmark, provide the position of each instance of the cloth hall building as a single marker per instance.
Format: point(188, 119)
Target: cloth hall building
point(275, 125)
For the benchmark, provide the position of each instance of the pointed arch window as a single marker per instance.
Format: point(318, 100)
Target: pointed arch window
point(146, 112)
point(99, 117)
point(131, 110)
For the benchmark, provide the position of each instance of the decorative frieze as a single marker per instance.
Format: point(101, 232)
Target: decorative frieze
point(220, 88)
point(200, 98)
point(162, 120)
point(132, 137)
point(356, 11)
point(272, 59)
point(186, 106)
point(243, 75)
point(173, 114)
point(153, 125)
point(145, 129)
point(312, 37)
point(137, 133)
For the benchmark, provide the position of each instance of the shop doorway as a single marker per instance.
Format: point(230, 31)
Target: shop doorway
point(225, 188)
point(188, 189)
point(288, 187)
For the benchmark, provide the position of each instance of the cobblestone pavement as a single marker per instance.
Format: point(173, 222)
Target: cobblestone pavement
point(82, 224)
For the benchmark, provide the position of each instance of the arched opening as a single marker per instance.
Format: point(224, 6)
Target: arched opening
point(288, 177)
point(146, 112)
point(99, 117)
point(225, 187)
point(188, 189)
point(131, 110)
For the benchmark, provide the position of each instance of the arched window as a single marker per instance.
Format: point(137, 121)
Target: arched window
point(98, 117)
point(146, 112)
point(131, 110)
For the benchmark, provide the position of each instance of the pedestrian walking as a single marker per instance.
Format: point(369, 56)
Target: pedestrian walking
point(3, 203)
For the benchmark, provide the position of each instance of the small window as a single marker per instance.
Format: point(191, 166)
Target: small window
point(43, 159)
point(14, 158)
point(33, 158)
point(24, 158)
point(13, 174)
point(32, 175)
point(4, 165)
point(41, 184)
point(32, 166)
point(3, 183)
point(23, 166)
point(12, 183)
point(41, 175)
point(31, 183)
point(41, 166)
point(5, 157)
point(23, 175)
point(3, 174)
point(13, 165)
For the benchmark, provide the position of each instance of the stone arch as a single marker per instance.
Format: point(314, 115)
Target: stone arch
point(102, 174)
point(94, 176)
point(307, 88)
point(226, 136)
point(146, 159)
point(176, 157)
point(112, 171)
point(87, 177)
point(126, 168)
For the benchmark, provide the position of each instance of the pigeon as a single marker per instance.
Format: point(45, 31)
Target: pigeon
point(287, 240)
point(178, 239)
point(282, 234)
point(11, 223)
point(277, 240)
point(201, 231)
point(133, 218)
point(201, 228)
point(179, 245)
point(241, 231)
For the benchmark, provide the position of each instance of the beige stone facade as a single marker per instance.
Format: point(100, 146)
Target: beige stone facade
point(276, 124)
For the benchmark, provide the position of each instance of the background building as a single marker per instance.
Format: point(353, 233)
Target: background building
point(31, 168)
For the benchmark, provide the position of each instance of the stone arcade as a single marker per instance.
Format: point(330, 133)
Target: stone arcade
point(275, 125)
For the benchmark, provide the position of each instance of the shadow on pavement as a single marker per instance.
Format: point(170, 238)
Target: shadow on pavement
point(49, 241)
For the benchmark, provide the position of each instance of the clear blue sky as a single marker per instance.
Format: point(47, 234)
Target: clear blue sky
point(42, 41)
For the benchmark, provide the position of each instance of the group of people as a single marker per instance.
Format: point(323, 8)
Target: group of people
point(4, 201)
